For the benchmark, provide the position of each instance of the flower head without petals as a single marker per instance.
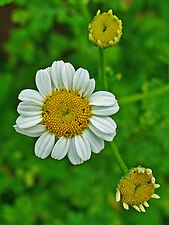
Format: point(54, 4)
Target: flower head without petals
point(65, 114)
point(105, 30)
point(136, 188)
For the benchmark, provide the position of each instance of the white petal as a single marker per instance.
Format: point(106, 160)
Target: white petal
point(125, 206)
point(43, 82)
point(72, 154)
point(48, 69)
point(35, 131)
point(136, 208)
point(44, 145)
point(105, 124)
point(102, 98)
point(82, 147)
point(90, 88)
point(118, 196)
point(146, 204)
point(61, 148)
point(99, 133)
point(149, 171)
point(81, 77)
point(153, 180)
point(140, 169)
point(97, 144)
point(56, 74)
point(142, 208)
point(156, 185)
point(25, 122)
point(31, 95)
point(155, 196)
point(67, 73)
point(105, 110)
point(29, 108)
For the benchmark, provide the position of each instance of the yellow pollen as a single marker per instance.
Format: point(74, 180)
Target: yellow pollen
point(105, 29)
point(65, 113)
point(136, 187)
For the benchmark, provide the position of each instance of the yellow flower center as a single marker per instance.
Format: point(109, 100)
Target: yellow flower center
point(136, 187)
point(65, 113)
point(105, 29)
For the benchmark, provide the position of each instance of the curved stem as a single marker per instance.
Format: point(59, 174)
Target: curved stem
point(137, 97)
point(119, 158)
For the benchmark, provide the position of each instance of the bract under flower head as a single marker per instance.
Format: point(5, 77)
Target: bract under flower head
point(105, 30)
point(65, 115)
point(136, 188)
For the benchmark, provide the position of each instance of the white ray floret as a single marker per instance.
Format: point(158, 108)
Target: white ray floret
point(126, 206)
point(117, 195)
point(146, 204)
point(142, 208)
point(149, 171)
point(156, 185)
point(155, 196)
point(136, 208)
point(153, 180)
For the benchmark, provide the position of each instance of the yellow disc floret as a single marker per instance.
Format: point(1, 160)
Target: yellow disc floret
point(105, 29)
point(65, 113)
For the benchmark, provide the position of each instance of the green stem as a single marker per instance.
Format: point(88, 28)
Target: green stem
point(102, 74)
point(137, 97)
point(119, 158)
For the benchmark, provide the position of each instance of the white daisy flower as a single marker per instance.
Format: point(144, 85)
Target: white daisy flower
point(65, 115)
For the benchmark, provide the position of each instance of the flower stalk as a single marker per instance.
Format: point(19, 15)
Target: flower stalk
point(119, 159)
point(102, 66)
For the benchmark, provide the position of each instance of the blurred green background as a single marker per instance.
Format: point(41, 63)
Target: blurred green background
point(33, 34)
